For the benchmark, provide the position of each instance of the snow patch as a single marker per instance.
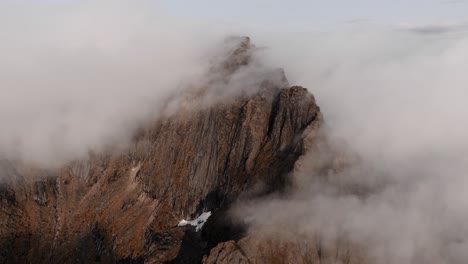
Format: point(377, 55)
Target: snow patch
point(198, 222)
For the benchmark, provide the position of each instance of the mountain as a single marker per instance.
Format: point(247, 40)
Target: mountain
point(127, 206)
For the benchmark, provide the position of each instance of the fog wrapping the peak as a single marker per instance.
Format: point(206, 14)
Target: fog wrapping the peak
point(81, 77)
point(396, 100)
point(78, 77)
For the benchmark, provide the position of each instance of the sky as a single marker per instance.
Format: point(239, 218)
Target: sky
point(305, 15)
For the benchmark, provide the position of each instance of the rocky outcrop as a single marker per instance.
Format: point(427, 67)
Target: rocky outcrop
point(124, 206)
point(274, 249)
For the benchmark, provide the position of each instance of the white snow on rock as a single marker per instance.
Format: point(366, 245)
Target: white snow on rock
point(198, 222)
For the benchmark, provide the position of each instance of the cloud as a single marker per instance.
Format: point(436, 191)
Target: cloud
point(80, 76)
point(393, 177)
point(439, 29)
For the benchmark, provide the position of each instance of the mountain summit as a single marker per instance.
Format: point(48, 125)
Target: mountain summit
point(166, 197)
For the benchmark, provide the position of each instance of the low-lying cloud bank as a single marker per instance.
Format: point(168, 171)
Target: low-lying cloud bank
point(394, 180)
point(79, 77)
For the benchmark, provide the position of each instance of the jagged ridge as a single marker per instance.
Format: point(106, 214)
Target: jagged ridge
point(125, 206)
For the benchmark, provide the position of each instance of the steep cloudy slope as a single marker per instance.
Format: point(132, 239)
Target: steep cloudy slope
point(126, 205)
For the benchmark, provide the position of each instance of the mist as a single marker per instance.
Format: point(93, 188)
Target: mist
point(79, 77)
point(388, 171)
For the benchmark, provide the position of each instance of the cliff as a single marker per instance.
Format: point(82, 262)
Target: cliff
point(125, 206)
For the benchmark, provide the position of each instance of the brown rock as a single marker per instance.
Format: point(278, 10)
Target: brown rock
point(125, 206)
point(227, 252)
point(278, 249)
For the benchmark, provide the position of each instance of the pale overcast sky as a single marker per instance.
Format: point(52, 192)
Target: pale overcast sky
point(283, 15)
point(314, 14)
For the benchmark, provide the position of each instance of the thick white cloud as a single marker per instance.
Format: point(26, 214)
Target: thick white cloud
point(76, 77)
point(79, 76)
point(397, 99)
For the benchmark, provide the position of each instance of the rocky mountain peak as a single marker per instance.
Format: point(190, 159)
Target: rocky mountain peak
point(127, 206)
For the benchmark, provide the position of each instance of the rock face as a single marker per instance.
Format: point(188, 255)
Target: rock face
point(125, 206)
point(271, 249)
